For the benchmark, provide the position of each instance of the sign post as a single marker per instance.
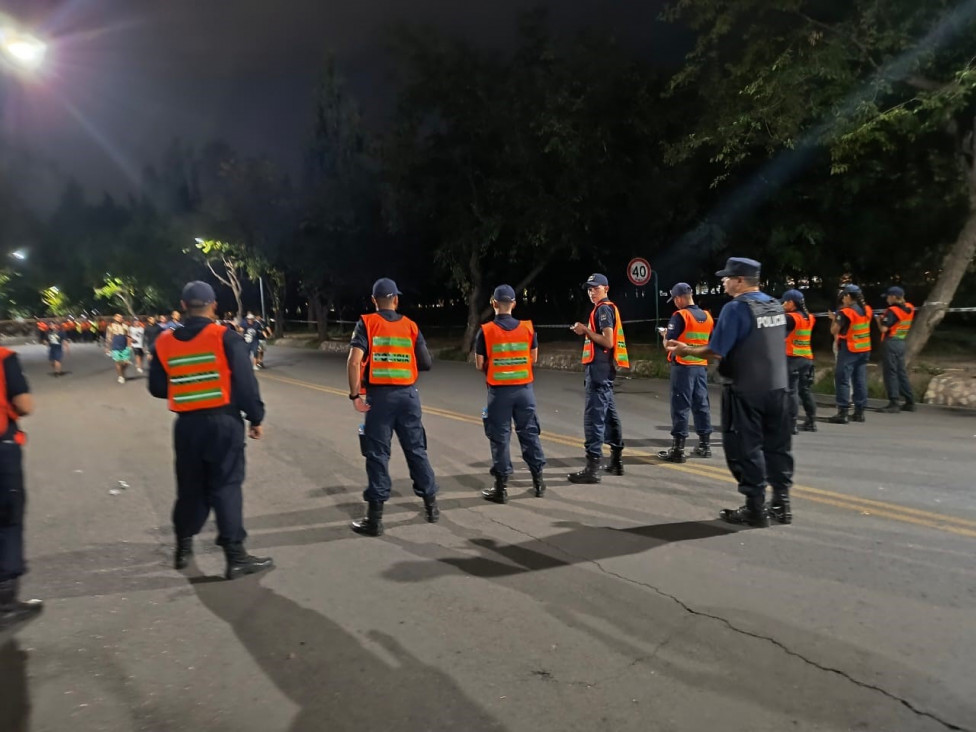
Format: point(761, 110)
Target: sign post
point(639, 273)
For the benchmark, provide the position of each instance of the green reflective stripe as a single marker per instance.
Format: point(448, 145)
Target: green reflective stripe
point(506, 347)
point(195, 378)
point(692, 360)
point(861, 327)
point(197, 396)
point(800, 333)
point(510, 361)
point(193, 359)
point(392, 357)
point(392, 373)
point(392, 341)
point(511, 375)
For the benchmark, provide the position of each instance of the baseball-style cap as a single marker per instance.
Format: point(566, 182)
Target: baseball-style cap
point(682, 288)
point(895, 291)
point(198, 293)
point(792, 296)
point(385, 287)
point(503, 293)
point(850, 290)
point(249, 316)
point(740, 267)
point(596, 280)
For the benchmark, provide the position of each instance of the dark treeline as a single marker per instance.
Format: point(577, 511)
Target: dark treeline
point(831, 141)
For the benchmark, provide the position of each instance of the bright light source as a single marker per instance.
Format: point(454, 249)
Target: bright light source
point(20, 254)
point(23, 49)
point(198, 240)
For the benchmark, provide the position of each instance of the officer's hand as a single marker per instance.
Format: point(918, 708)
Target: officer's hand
point(676, 347)
point(256, 432)
point(360, 405)
point(578, 328)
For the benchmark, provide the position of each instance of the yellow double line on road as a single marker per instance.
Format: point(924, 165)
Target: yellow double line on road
point(896, 512)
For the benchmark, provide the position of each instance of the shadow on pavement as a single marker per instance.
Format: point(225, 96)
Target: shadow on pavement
point(338, 681)
point(579, 544)
point(14, 697)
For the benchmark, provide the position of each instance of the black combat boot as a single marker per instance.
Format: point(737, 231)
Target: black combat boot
point(753, 513)
point(908, 407)
point(13, 611)
point(809, 424)
point(858, 415)
point(840, 417)
point(615, 466)
point(539, 484)
point(497, 493)
point(184, 550)
point(704, 448)
point(675, 453)
point(589, 474)
point(779, 508)
point(372, 523)
point(239, 562)
point(892, 407)
point(432, 511)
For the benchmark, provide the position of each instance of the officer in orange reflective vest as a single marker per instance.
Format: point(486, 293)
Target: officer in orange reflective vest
point(689, 375)
point(203, 370)
point(604, 351)
point(15, 402)
point(894, 325)
point(505, 350)
point(799, 359)
point(851, 325)
point(385, 355)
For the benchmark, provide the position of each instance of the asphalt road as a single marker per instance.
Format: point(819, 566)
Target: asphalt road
point(622, 606)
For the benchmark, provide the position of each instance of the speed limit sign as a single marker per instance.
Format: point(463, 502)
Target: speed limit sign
point(639, 271)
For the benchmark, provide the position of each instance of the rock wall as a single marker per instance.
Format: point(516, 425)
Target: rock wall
point(952, 390)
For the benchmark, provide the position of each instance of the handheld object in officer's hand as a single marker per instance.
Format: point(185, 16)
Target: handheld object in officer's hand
point(662, 331)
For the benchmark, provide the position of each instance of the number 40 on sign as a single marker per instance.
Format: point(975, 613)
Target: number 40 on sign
point(639, 271)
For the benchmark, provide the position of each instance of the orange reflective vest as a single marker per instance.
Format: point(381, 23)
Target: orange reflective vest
point(798, 339)
point(8, 414)
point(392, 360)
point(858, 334)
point(899, 329)
point(619, 346)
point(695, 334)
point(197, 369)
point(43, 327)
point(509, 354)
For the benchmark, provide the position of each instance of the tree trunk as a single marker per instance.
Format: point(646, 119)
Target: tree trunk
point(475, 300)
point(954, 267)
point(321, 315)
point(522, 284)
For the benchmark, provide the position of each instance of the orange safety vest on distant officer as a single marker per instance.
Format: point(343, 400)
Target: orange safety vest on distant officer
point(619, 345)
point(198, 372)
point(858, 334)
point(695, 334)
point(905, 314)
point(798, 339)
point(43, 327)
point(392, 360)
point(7, 412)
point(509, 354)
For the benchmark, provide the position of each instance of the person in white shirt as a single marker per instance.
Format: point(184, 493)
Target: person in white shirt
point(137, 332)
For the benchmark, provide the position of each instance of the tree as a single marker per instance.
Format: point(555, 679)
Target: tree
point(227, 263)
point(852, 88)
point(55, 301)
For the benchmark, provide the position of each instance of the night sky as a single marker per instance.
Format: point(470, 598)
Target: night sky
point(127, 76)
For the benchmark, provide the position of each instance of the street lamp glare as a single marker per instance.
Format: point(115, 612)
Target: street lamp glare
point(19, 254)
point(198, 240)
point(25, 50)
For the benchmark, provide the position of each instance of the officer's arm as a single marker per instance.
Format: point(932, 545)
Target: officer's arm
point(23, 404)
point(535, 354)
point(243, 384)
point(17, 387)
point(158, 383)
point(480, 351)
point(604, 339)
point(424, 361)
point(354, 366)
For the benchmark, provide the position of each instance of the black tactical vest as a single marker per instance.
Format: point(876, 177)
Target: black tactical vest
point(758, 363)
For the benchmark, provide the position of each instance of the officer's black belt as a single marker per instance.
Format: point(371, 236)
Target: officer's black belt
point(229, 409)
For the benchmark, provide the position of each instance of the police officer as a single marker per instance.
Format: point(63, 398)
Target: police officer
point(251, 332)
point(748, 338)
point(15, 402)
point(203, 370)
point(799, 358)
point(56, 346)
point(386, 353)
point(505, 350)
point(851, 326)
point(689, 375)
point(604, 350)
point(894, 325)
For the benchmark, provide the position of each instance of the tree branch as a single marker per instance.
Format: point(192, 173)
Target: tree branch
point(833, 29)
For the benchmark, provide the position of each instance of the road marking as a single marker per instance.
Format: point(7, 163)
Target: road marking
point(905, 514)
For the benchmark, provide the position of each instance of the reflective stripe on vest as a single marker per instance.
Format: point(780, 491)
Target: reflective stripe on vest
point(509, 354)
point(197, 369)
point(392, 361)
point(906, 315)
point(619, 346)
point(695, 334)
point(7, 413)
point(798, 340)
point(858, 334)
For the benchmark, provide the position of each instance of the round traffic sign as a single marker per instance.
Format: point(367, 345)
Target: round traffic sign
point(639, 271)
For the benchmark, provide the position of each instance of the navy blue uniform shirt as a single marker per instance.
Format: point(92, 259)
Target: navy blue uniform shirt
point(244, 394)
point(505, 321)
point(602, 368)
point(360, 340)
point(735, 323)
point(16, 385)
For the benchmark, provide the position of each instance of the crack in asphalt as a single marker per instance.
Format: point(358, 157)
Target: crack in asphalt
point(734, 628)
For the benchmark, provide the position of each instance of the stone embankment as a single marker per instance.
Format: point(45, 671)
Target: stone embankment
point(953, 389)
